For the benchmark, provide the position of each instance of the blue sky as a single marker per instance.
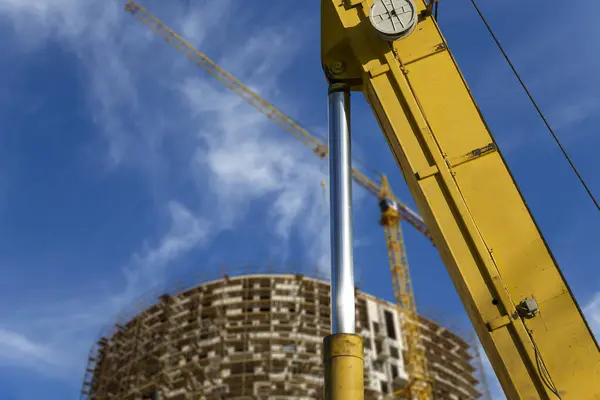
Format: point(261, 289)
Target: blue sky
point(125, 169)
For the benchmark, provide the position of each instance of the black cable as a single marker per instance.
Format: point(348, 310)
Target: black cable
point(587, 189)
point(541, 366)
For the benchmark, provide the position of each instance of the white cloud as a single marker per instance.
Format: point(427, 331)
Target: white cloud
point(17, 348)
point(592, 314)
point(199, 24)
point(116, 53)
point(244, 161)
point(240, 154)
point(54, 337)
point(36, 21)
point(238, 158)
point(147, 268)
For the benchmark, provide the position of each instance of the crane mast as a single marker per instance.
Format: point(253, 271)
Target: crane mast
point(393, 211)
point(523, 311)
point(420, 384)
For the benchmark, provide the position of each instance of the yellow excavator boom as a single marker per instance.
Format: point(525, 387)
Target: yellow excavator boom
point(523, 311)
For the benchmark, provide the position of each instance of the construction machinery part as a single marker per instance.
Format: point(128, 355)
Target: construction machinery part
point(340, 189)
point(527, 319)
point(343, 364)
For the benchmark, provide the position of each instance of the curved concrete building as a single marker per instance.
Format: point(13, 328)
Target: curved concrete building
point(259, 337)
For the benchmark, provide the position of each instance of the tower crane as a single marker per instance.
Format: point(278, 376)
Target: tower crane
point(392, 210)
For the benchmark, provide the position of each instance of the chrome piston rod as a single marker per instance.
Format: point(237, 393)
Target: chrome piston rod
point(340, 192)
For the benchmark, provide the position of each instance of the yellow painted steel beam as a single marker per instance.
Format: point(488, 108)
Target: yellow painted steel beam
point(526, 318)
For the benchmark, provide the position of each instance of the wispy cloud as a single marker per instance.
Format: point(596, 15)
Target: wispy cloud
point(16, 347)
point(200, 23)
point(161, 117)
point(238, 152)
point(54, 337)
point(243, 161)
point(147, 268)
point(592, 314)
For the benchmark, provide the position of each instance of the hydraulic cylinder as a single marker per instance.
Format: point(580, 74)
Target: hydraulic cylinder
point(343, 349)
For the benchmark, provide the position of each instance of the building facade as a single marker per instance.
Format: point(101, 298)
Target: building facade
point(260, 337)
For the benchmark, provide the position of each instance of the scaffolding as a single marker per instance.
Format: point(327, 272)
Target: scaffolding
point(252, 336)
point(238, 338)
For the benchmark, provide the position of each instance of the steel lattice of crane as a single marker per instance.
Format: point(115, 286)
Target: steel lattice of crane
point(420, 383)
point(392, 210)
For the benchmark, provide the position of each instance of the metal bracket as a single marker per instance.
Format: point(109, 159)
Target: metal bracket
point(353, 3)
point(428, 11)
point(380, 70)
point(441, 46)
point(456, 161)
point(528, 308)
point(498, 323)
point(427, 172)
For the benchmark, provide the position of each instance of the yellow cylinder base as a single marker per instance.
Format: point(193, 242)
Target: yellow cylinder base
point(344, 369)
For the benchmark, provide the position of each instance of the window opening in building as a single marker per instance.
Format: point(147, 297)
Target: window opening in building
point(378, 366)
point(384, 387)
point(394, 372)
point(389, 322)
point(394, 352)
point(151, 395)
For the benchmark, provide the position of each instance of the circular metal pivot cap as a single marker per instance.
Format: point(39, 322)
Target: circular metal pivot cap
point(393, 19)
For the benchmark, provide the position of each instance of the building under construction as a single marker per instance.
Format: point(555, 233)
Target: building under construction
point(259, 336)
